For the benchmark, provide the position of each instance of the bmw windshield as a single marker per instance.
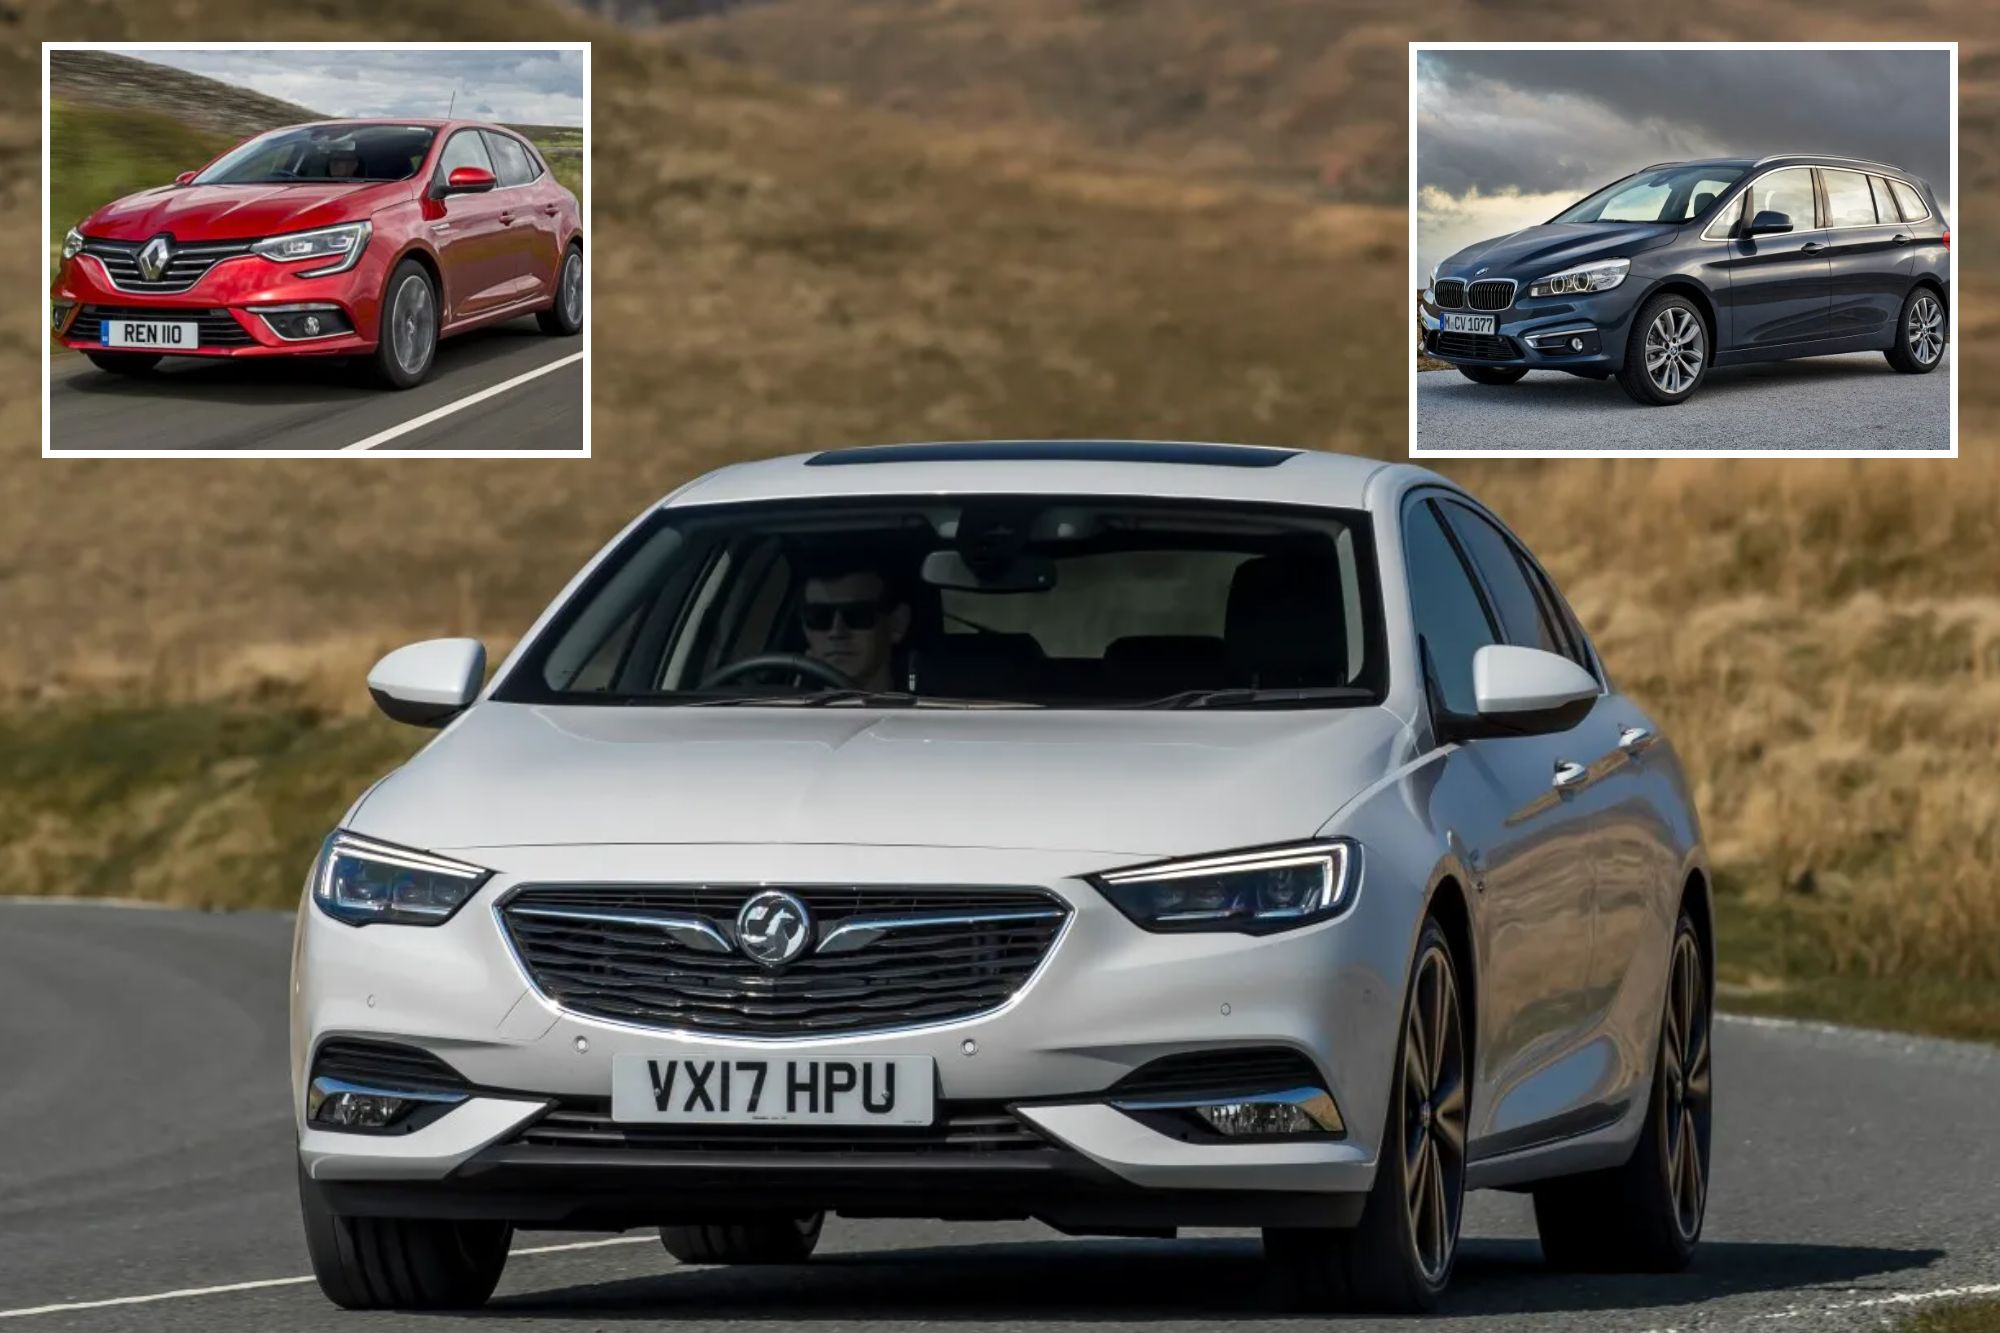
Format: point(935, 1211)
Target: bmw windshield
point(1667, 194)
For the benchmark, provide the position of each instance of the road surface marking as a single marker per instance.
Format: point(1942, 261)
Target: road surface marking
point(414, 423)
point(186, 1292)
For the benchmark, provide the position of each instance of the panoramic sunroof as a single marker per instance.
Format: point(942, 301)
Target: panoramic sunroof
point(1058, 451)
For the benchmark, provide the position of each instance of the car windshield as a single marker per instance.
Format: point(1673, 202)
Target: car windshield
point(1663, 194)
point(999, 601)
point(354, 153)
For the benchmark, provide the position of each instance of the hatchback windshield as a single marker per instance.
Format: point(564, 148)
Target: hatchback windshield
point(1669, 194)
point(324, 153)
point(972, 601)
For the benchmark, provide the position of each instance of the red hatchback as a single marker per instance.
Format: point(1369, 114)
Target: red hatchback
point(361, 238)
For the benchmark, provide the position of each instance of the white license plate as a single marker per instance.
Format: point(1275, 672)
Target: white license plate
point(746, 1088)
point(1468, 323)
point(159, 336)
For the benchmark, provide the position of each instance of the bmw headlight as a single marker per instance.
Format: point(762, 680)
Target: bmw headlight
point(1255, 892)
point(1430, 288)
point(72, 243)
point(361, 881)
point(1599, 275)
point(342, 245)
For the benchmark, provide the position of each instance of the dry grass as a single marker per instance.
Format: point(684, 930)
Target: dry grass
point(1822, 638)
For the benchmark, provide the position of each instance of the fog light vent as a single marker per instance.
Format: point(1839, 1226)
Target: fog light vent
point(298, 323)
point(334, 1104)
point(1301, 1111)
point(58, 312)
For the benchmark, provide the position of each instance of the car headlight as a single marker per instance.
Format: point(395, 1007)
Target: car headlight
point(1599, 275)
point(1255, 892)
point(1430, 288)
point(72, 243)
point(342, 245)
point(361, 881)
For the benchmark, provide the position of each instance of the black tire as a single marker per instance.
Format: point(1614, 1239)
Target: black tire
point(1921, 333)
point(386, 1263)
point(780, 1240)
point(1493, 374)
point(1689, 339)
point(1381, 1264)
point(563, 318)
point(388, 365)
point(1645, 1216)
point(124, 363)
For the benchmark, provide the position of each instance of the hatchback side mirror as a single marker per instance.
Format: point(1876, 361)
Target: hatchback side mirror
point(1529, 692)
point(468, 180)
point(1770, 222)
point(185, 178)
point(427, 684)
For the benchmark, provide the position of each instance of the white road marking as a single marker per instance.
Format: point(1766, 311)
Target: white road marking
point(1894, 1298)
point(414, 423)
point(226, 1287)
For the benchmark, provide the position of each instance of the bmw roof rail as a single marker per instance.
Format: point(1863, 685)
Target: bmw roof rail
point(1829, 157)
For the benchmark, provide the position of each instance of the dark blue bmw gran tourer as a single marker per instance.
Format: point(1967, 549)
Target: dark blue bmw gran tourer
point(1685, 265)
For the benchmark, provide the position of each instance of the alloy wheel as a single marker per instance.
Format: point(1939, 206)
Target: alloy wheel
point(1926, 331)
point(1674, 349)
point(572, 289)
point(1434, 1105)
point(1687, 1103)
point(412, 330)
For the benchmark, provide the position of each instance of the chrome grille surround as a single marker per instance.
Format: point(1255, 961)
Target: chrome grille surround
point(883, 958)
point(189, 263)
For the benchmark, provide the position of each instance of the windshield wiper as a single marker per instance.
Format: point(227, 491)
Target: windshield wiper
point(1243, 697)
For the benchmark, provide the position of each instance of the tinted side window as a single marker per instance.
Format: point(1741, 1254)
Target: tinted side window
point(1451, 621)
point(1848, 202)
point(510, 160)
point(1789, 192)
point(1914, 208)
point(1522, 617)
point(464, 149)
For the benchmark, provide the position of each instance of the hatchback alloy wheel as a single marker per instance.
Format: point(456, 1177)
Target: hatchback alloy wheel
point(1926, 330)
point(1674, 351)
point(1434, 1115)
point(413, 325)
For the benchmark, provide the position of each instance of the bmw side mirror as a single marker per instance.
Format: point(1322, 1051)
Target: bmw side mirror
point(1770, 222)
point(1528, 692)
point(468, 180)
point(185, 178)
point(428, 684)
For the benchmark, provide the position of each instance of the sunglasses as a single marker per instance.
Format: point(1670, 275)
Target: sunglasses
point(818, 616)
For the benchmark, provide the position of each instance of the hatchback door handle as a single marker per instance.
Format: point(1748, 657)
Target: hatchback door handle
point(1900, 239)
point(1634, 739)
point(1569, 775)
point(506, 218)
point(1811, 248)
point(550, 209)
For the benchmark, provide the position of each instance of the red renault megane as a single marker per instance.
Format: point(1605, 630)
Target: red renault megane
point(361, 238)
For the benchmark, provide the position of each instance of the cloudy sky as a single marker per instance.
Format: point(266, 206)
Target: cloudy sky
point(1506, 139)
point(521, 87)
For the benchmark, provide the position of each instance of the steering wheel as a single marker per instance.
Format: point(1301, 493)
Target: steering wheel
point(797, 663)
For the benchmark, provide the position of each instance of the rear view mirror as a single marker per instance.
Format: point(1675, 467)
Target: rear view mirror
point(1528, 692)
point(468, 180)
point(185, 178)
point(1770, 222)
point(1020, 573)
point(427, 684)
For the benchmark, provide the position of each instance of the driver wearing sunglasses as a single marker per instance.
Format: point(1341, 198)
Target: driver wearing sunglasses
point(853, 620)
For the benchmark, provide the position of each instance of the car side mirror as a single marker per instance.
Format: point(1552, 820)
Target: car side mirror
point(1770, 222)
point(185, 178)
point(468, 180)
point(427, 684)
point(1528, 692)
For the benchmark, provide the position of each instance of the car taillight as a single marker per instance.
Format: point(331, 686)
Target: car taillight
point(1947, 238)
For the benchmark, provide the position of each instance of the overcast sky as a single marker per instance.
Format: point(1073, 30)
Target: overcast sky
point(1506, 139)
point(522, 87)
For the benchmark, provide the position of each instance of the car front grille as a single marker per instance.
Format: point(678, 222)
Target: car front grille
point(942, 953)
point(1491, 294)
point(188, 264)
point(972, 1128)
point(1449, 293)
point(1485, 346)
point(215, 328)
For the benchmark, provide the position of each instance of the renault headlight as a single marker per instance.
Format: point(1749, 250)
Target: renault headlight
point(342, 245)
point(361, 881)
point(1255, 892)
point(72, 243)
point(1599, 275)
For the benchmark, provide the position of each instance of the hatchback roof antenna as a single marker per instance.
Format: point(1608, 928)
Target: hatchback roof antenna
point(452, 105)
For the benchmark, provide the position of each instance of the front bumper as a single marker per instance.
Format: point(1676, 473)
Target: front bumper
point(1107, 999)
point(1535, 333)
point(225, 301)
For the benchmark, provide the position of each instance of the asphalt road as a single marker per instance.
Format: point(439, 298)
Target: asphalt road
point(1824, 402)
point(315, 404)
point(145, 1148)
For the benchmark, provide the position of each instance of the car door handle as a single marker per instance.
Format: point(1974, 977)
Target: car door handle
point(1569, 775)
point(1899, 239)
point(550, 209)
point(506, 218)
point(1811, 248)
point(1634, 739)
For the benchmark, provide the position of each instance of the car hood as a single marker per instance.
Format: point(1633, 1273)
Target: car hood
point(1140, 783)
point(237, 212)
point(1553, 245)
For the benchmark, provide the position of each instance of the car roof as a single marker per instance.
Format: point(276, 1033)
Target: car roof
point(1773, 159)
point(1157, 468)
point(418, 122)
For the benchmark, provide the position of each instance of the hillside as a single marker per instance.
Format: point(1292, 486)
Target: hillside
point(108, 79)
point(185, 640)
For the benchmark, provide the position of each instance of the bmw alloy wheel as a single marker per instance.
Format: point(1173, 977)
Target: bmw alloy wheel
point(1926, 331)
point(412, 329)
point(1674, 350)
point(1434, 1115)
